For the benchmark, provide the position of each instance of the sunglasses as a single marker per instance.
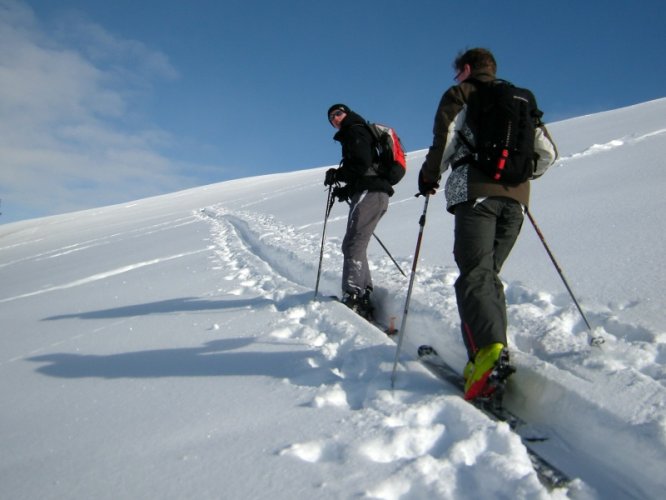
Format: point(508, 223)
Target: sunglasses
point(335, 114)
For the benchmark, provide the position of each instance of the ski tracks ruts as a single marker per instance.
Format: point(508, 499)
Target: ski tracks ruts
point(421, 440)
point(557, 385)
point(96, 242)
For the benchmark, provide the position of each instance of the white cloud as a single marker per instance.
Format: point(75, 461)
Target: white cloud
point(68, 134)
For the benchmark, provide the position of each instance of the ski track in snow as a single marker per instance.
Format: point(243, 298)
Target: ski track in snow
point(104, 275)
point(400, 428)
point(411, 431)
point(86, 245)
point(610, 145)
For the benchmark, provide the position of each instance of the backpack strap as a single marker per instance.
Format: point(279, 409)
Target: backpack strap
point(375, 153)
point(468, 158)
point(471, 157)
point(373, 132)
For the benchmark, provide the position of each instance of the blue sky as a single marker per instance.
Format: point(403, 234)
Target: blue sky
point(105, 102)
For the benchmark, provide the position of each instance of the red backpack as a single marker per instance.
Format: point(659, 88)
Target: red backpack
point(391, 160)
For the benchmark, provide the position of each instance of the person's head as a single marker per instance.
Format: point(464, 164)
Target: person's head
point(473, 61)
point(337, 113)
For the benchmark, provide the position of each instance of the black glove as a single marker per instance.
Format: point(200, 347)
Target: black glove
point(427, 187)
point(341, 193)
point(331, 175)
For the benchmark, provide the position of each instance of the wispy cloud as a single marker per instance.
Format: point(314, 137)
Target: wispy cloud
point(70, 137)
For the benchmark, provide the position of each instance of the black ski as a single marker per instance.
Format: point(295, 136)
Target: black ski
point(389, 329)
point(549, 475)
point(493, 407)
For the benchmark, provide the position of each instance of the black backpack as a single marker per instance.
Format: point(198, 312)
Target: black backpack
point(503, 132)
point(390, 157)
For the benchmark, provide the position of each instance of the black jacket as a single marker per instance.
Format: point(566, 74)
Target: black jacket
point(357, 169)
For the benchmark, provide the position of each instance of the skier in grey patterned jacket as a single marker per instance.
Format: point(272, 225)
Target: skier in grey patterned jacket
point(488, 218)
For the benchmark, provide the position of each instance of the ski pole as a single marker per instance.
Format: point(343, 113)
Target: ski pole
point(401, 332)
point(386, 250)
point(594, 340)
point(329, 204)
point(389, 254)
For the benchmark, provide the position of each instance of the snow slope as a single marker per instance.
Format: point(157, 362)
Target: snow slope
point(172, 348)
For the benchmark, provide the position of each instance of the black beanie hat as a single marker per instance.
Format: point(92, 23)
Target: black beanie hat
point(338, 106)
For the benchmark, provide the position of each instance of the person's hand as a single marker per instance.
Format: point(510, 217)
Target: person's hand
point(427, 187)
point(331, 175)
point(341, 193)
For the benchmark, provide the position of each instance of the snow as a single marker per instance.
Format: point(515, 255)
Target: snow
point(171, 347)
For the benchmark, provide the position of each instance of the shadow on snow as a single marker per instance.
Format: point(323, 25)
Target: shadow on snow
point(186, 304)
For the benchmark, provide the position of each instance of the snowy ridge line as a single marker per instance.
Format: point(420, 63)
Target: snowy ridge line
point(537, 326)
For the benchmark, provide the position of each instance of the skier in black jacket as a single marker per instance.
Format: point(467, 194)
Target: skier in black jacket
point(368, 195)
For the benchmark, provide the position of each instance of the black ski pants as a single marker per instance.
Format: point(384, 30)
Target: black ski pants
point(485, 232)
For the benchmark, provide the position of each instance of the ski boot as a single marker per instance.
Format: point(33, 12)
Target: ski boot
point(486, 377)
point(359, 303)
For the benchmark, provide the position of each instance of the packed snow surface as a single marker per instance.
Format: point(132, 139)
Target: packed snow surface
point(173, 347)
